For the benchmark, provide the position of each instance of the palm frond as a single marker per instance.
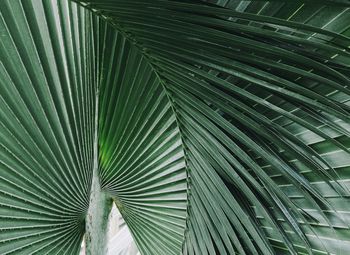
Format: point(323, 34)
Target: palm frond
point(223, 126)
point(46, 116)
point(142, 162)
point(258, 89)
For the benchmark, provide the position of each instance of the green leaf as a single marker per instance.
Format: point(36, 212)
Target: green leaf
point(223, 126)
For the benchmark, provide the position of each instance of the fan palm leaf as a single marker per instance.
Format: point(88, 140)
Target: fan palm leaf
point(215, 127)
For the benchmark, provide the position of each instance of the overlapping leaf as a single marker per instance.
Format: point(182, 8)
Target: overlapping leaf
point(141, 157)
point(46, 115)
point(56, 58)
point(254, 94)
point(262, 103)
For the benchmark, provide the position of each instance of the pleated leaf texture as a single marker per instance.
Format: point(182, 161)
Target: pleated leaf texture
point(216, 127)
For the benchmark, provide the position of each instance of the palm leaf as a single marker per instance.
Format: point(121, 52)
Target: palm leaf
point(222, 126)
point(47, 108)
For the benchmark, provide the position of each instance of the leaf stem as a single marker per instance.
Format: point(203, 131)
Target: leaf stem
point(97, 219)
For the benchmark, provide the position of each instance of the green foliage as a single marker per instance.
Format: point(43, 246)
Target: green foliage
point(223, 126)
